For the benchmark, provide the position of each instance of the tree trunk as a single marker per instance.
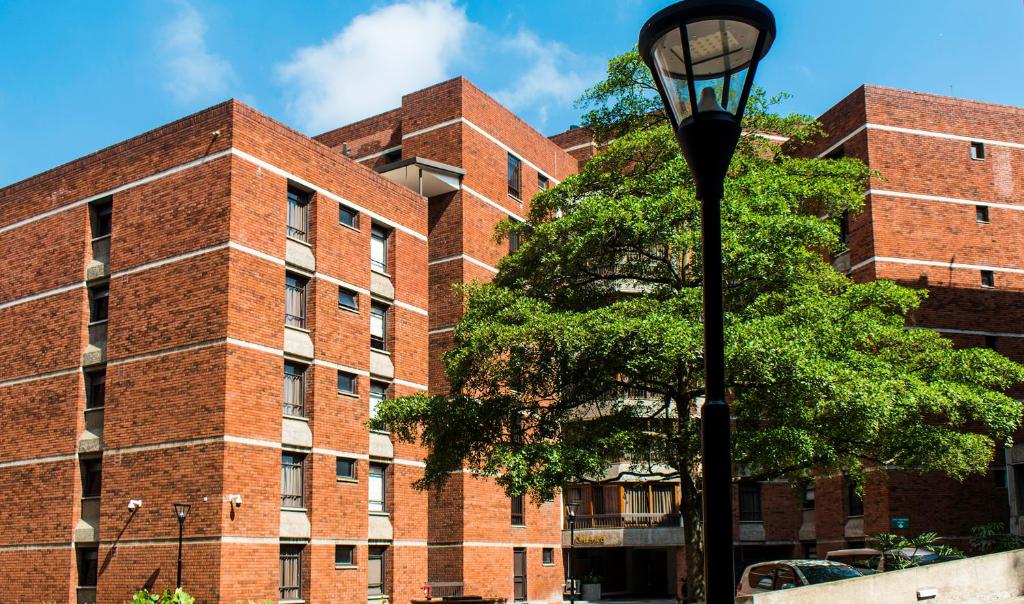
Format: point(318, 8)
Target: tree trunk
point(693, 535)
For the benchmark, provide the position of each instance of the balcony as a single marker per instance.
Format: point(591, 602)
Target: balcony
point(602, 521)
point(99, 266)
point(634, 513)
point(96, 351)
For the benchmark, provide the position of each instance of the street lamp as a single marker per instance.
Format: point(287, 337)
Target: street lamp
point(181, 511)
point(703, 55)
point(572, 506)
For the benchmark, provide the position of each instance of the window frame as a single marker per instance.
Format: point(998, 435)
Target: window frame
point(352, 476)
point(854, 502)
point(547, 556)
point(519, 554)
point(99, 302)
point(515, 177)
point(298, 466)
point(299, 377)
point(751, 491)
point(517, 517)
point(299, 199)
point(379, 343)
point(353, 379)
point(101, 218)
point(381, 234)
point(378, 554)
point(290, 551)
point(988, 279)
point(87, 565)
point(542, 183)
point(299, 284)
point(354, 213)
point(95, 388)
point(377, 471)
point(92, 476)
point(344, 547)
point(374, 401)
point(977, 150)
point(351, 293)
point(808, 503)
point(981, 214)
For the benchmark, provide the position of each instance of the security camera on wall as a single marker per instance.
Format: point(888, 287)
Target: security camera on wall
point(134, 504)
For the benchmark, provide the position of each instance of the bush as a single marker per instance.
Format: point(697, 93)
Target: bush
point(178, 596)
point(994, 537)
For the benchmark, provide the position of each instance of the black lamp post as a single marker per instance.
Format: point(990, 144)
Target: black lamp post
point(181, 511)
point(572, 506)
point(703, 54)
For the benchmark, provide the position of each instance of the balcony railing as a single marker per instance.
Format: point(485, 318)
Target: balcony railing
point(445, 589)
point(603, 521)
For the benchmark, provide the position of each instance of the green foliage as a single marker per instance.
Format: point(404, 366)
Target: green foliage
point(178, 596)
point(995, 537)
point(924, 541)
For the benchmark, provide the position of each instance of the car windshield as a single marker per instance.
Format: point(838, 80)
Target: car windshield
point(823, 574)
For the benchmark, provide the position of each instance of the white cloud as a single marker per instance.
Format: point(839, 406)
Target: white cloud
point(193, 72)
point(367, 66)
point(555, 76)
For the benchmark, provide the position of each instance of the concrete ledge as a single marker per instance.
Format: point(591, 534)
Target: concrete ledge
point(379, 527)
point(380, 364)
point(296, 432)
point(297, 342)
point(381, 285)
point(295, 524)
point(299, 254)
point(380, 445)
point(752, 531)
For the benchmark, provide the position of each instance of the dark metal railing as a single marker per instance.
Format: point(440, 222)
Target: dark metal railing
point(446, 589)
point(626, 520)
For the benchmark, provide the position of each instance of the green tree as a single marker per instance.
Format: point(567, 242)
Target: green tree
point(604, 294)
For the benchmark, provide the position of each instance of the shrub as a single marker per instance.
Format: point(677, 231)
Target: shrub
point(178, 596)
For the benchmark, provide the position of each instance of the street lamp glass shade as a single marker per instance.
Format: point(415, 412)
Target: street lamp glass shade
point(573, 505)
point(181, 510)
point(703, 54)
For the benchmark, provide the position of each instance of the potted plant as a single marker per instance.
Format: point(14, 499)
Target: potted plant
point(591, 587)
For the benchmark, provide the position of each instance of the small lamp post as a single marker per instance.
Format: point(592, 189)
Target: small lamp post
point(703, 55)
point(181, 511)
point(572, 506)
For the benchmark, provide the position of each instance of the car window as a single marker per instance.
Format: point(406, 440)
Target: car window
point(823, 574)
point(785, 578)
point(761, 577)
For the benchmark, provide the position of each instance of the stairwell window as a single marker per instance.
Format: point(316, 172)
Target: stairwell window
point(379, 326)
point(92, 476)
point(379, 249)
point(515, 173)
point(378, 394)
point(294, 389)
point(99, 302)
point(292, 479)
point(88, 558)
point(295, 300)
point(95, 389)
point(988, 279)
point(298, 214)
point(291, 572)
point(376, 571)
point(377, 502)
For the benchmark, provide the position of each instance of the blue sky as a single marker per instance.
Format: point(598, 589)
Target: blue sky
point(77, 76)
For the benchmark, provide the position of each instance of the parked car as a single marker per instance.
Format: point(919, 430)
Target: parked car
point(868, 560)
point(788, 574)
point(864, 559)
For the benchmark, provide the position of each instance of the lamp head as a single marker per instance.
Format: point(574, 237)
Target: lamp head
point(181, 510)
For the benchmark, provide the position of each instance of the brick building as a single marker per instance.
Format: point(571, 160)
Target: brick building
point(208, 313)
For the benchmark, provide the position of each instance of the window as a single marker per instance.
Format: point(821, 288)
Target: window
point(981, 213)
point(838, 153)
point(348, 217)
point(294, 389)
point(87, 566)
point(379, 326)
point(344, 555)
point(345, 468)
point(542, 182)
point(348, 298)
point(547, 556)
point(377, 473)
point(291, 572)
point(518, 515)
point(99, 302)
point(750, 502)
point(990, 342)
point(298, 214)
point(977, 150)
point(513, 242)
point(854, 502)
point(379, 249)
point(809, 497)
point(844, 227)
point(101, 214)
point(393, 156)
point(810, 550)
point(378, 393)
point(514, 175)
point(988, 279)
point(291, 479)
point(376, 571)
point(95, 389)
point(92, 476)
point(519, 574)
point(348, 383)
point(295, 300)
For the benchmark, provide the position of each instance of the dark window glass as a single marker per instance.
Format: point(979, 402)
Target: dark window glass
point(844, 227)
point(542, 182)
point(298, 214)
point(824, 574)
point(809, 497)
point(519, 574)
point(348, 382)
point(990, 342)
point(291, 479)
point(102, 214)
point(750, 501)
point(377, 487)
point(518, 512)
point(837, 153)
point(348, 298)
point(92, 476)
point(514, 175)
point(295, 300)
point(294, 389)
point(291, 572)
point(379, 249)
point(379, 326)
point(348, 217)
point(87, 566)
point(99, 302)
point(393, 156)
point(988, 279)
point(981, 213)
point(378, 393)
point(854, 502)
point(810, 550)
point(977, 150)
point(95, 389)
point(345, 468)
point(376, 570)
point(548, 556)
point(785, 578)
point(344, 555)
